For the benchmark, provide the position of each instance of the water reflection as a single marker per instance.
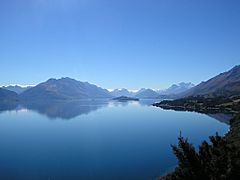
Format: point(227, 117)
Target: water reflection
point(225, 118)
point(70, 109)
point(8, 106)
point(65, 109)
point(129, 140)
point(149, 102)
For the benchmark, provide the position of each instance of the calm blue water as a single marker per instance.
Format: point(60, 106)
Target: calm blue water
point(95, 140)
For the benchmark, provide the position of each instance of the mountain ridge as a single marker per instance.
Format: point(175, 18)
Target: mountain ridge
point(146, 93)
point(122, 92)
point(224, 84)
point(177, 88)
point(16, 88)
point(65, 89)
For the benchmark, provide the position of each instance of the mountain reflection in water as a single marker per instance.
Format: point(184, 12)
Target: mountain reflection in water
point(67, 110)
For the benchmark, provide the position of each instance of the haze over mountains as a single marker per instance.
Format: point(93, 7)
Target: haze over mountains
point(177, 88)
point(67, 88)
point(144, 93)
point(17, 88)
point(225, 84)
point(122, 92)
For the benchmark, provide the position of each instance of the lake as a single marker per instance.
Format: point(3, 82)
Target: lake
point(96, 139)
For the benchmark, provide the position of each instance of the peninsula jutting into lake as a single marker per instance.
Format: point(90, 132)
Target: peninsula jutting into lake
point(210, 98)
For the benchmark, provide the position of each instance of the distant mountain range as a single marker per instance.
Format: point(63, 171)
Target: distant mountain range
point(146, 94)
point(177, 89)
point(122, 92)
point(67, 88)
point(224, 84)
point(143, 93)
point(16, 88)
point(64, 89)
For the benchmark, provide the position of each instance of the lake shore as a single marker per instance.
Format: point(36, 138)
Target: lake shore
point(225, 105)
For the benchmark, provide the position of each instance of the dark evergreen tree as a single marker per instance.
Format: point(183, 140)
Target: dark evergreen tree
point(218, 160)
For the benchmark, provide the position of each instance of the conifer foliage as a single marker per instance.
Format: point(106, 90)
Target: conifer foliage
point(217, 160)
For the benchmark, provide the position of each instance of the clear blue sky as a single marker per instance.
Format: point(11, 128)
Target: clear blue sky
point(118, 43)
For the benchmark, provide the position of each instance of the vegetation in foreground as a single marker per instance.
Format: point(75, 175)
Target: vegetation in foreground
point(217, 160)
